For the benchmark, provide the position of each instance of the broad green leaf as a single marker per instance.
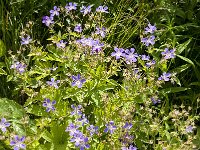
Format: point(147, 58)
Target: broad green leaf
point(11, 109)
point(58, 134)
point(15, 113)
point(174, 90)
point(182, 47)
point(2, 48)
point(36, 110)
point(47, 136)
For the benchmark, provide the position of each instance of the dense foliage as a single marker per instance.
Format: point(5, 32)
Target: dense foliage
point(102, 75)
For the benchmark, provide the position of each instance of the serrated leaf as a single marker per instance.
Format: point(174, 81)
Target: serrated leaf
point(11, 109)
point(47, 136)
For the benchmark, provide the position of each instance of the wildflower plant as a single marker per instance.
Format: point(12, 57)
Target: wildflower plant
point(107, 96)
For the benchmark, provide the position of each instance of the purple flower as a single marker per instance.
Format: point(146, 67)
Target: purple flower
point(77, 81)
point(148, 41)
point(102, 9)
point(47, 20)
point(136, 73)
point(53, 83)
point(76, 110)
point(168, 53)
point(55, 11)
point(20, 67)
point(88, 42)
point(150, 29)
point(86, 10)
point(72, 129)
point(61, 44)
point(154, 101)
point(80, 141)
point(4, 124)
point(131, 147)
point(131, 56)
point(127, 138)
point(150, 63)
point(93, 129)
point(189, 129)
point(97, 47)
point(165, 76)
point(71, 6)
point(78, 28)
point(17, 142)
point(101, 31)
point(119, 52)
point(26, 41)
point(83, 120)
point(49, 105)
point(128, 126)
point(110, 127)
point(145, 57)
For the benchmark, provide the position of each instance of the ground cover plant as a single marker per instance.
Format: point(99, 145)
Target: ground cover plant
point(88, 85)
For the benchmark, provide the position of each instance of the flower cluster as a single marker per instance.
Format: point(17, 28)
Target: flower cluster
point(95, 45)
point(127, 138)
point(129, 54)
point(19, 67)
point(71, 6)
point(48, 20)
point(101, 31)
point(77, 137)
point(149, 40)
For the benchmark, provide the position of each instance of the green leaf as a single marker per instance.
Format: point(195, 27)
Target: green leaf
point(2, 48)
point(47, 136)
point(2, 72)
point(181, 68)
point(11, 109)
point(36, 110)
point(174, 90)
point(182, 47)
point(15, 113)
point(195, 83)
point(186, 59)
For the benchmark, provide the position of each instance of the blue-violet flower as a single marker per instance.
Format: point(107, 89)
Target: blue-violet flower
point(4, 124)
point(110, 127)
point(49, 105)
point(53, 83)
point(17, 142)
point(77, 81)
